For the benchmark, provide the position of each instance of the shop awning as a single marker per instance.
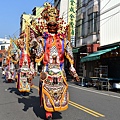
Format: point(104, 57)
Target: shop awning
point(96, 55)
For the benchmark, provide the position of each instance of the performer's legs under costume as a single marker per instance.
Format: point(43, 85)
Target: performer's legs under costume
point(49, 115)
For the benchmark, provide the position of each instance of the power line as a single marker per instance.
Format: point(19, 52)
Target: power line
point(51, 2)
point(111, 17)
point(105, 5)
point(102, 19)
point(33, 11)
point(105, 12)
point(41, 7)
point(91, 2)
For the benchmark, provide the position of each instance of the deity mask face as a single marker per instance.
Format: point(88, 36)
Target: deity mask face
point(52, 27)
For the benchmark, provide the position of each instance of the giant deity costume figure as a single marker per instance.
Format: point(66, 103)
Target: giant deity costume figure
point(53, 47)
point(9, 69)
point(24, 71)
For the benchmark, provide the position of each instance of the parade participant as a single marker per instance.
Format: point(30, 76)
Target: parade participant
point(54, 46)
point(33, 48)
point(15, 57)
point(9, 69)
point(4, 64)
point(24, 75)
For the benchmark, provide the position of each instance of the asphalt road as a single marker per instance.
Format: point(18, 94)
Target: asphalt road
point(85, 104)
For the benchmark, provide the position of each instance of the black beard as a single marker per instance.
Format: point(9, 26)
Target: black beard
point(52, 31)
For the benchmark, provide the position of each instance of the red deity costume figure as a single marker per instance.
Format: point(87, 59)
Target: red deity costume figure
point(54, 46)
point(23, 81)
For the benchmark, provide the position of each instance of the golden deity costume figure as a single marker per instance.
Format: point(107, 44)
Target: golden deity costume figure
point(10, 68)
point(53, 47)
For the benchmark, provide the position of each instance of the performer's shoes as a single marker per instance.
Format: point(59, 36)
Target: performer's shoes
point(48, 115)
point(49, 118)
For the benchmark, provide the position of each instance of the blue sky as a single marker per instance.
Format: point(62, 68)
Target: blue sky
point(10, 12)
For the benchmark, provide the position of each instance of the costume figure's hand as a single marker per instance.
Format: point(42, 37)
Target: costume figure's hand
point(37, 57)
point(77, 79)
point(72, 68)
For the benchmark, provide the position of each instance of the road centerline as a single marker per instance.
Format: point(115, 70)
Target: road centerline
point(90, 111)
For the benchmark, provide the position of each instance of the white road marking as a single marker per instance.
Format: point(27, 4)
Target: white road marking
point(89, 90)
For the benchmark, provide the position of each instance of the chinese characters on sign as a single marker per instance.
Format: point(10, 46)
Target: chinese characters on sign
point(72, 18)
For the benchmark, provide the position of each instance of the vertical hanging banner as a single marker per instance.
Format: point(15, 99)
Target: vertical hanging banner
point(72, 19)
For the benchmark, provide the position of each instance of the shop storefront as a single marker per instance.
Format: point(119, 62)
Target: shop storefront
point(108, 57)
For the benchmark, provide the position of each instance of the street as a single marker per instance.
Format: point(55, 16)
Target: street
point(85, 104)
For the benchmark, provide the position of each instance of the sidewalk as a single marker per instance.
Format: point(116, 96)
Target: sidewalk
point(113, 92)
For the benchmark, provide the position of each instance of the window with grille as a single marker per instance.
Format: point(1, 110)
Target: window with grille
point(92, 23)
point(2, 47)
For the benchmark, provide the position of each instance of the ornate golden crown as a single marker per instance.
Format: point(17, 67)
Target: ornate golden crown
point(50, 13)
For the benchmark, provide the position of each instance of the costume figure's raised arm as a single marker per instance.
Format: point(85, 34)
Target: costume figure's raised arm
point(40, 51)
point(69, 56)
point(68, 52)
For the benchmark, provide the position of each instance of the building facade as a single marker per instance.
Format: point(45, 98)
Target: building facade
point(87, 22)
point(109, 22)
point(87, 32)
point(4, 44)
point(108, 54)
point(29, 17)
